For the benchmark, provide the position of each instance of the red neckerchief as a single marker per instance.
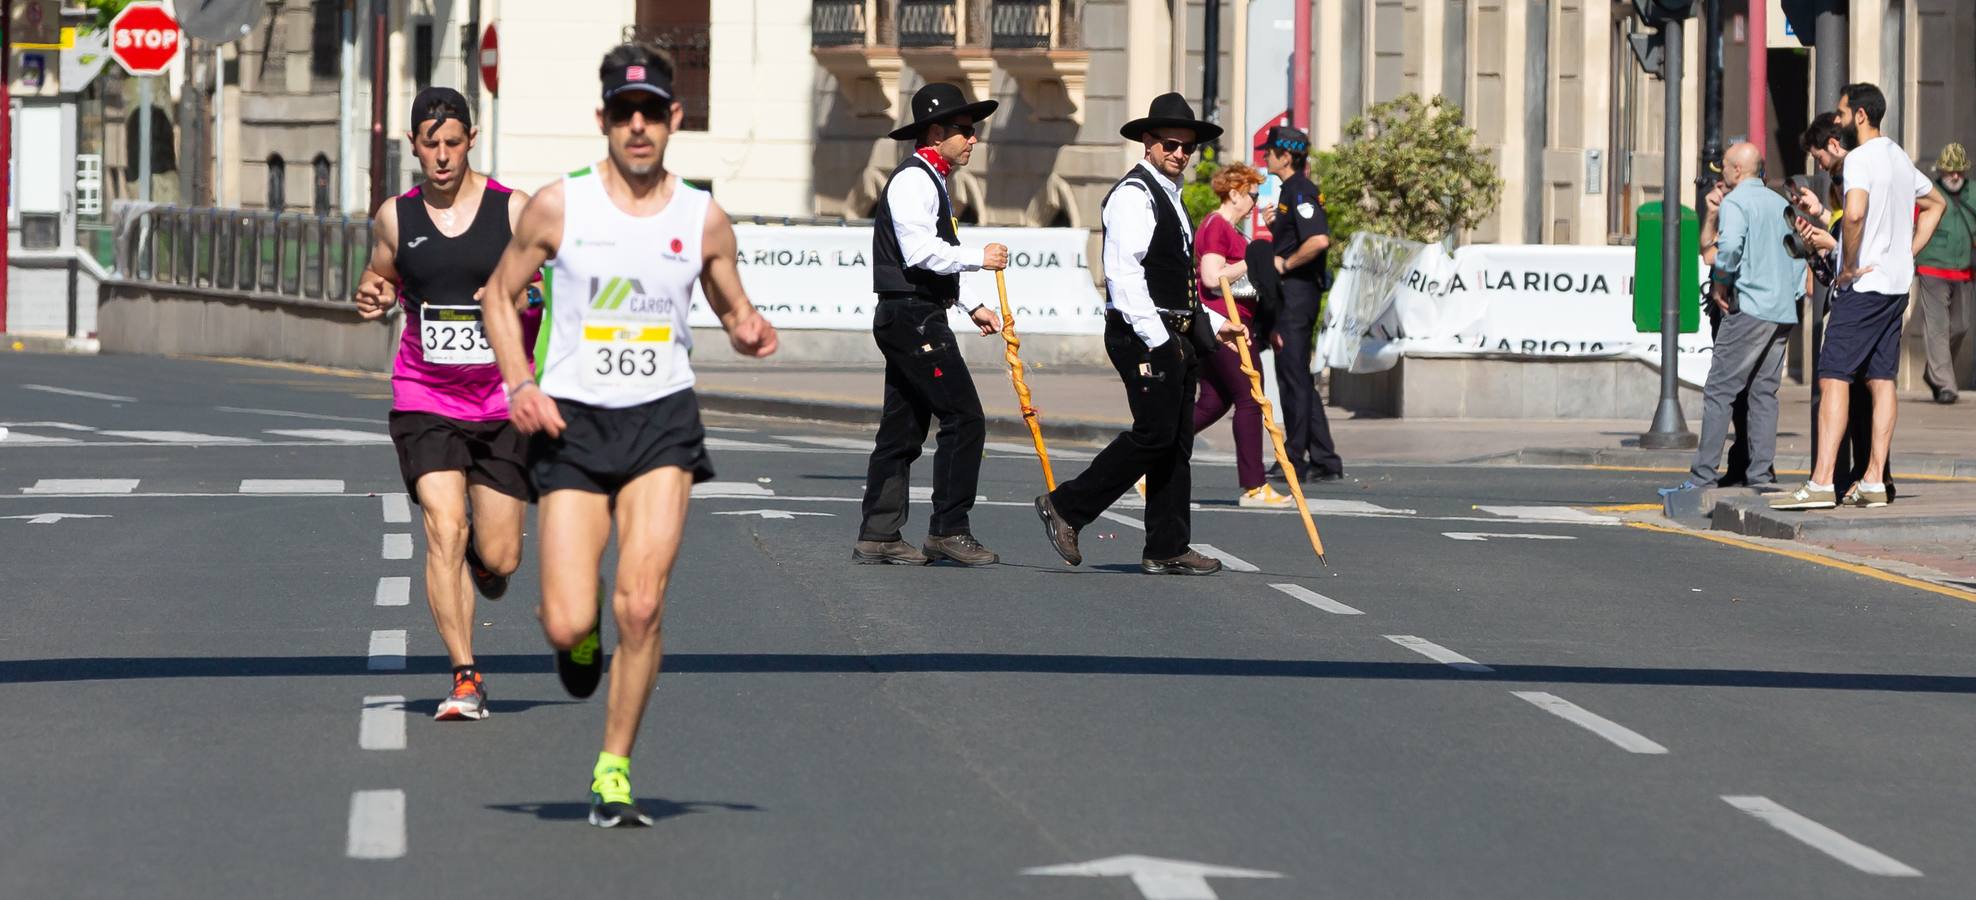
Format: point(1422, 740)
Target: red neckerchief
point(934, 159)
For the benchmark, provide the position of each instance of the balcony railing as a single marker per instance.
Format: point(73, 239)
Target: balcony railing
point(928, 23)
point(839, 23)
point(1020, 24)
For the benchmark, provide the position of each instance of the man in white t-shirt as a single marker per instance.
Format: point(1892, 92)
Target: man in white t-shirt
point(1890, 213)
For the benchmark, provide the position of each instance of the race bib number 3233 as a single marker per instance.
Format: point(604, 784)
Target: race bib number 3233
point(452, 336)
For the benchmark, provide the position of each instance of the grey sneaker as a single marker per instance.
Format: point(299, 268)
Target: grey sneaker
point(877, 553)
point(1805, 498)
point(1865, 499)
point(1189, 563)
point(960, 548)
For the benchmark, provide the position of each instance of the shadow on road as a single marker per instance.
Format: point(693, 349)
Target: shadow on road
point(429, 707)
point(656, 807)
point(37, 671)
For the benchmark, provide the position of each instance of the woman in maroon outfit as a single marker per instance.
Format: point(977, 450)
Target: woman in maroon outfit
point(1220, 248)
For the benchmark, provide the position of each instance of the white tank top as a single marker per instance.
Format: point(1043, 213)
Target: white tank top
point(614, 328)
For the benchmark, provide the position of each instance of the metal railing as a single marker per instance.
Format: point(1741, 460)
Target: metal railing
point(285, 255)
point(1020, 24)
point(928, 23)
point(839, 23)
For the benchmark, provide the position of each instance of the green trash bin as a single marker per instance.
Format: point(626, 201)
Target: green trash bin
point(1647, 268)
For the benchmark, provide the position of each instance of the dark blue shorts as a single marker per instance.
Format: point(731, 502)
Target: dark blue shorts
point(1862, 336)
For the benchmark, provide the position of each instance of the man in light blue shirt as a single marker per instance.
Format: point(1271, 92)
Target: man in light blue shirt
point(1755, 285)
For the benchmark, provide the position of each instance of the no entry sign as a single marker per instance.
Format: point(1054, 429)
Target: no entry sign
point(144, 38)
point(490, 61)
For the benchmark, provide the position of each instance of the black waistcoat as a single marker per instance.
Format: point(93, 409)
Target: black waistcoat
point(890, 277)
point(1169, 258)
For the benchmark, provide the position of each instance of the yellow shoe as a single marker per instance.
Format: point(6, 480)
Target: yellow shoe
point(1265, 497)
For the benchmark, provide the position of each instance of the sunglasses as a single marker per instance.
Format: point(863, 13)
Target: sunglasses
point(656, 111)
point(955, 128)
point(1172, 145)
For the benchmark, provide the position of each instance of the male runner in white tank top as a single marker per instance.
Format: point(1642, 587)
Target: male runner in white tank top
point(615, 424)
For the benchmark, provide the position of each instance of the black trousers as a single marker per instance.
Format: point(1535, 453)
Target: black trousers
point(925, 378)
point(1306, 432)
point(1159, 387)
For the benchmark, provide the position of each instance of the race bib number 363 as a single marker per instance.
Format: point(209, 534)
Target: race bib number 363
point(626, 354)
point(452, 336)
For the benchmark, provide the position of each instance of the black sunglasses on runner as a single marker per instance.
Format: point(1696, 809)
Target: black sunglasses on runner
point(657, 110)
point(1172, 145)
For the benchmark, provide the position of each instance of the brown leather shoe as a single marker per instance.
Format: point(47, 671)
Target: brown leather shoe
point(898, 553)
point(1189, 563)
point(960, 548)
point(1061, 535)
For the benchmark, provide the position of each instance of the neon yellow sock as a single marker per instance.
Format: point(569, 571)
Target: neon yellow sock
point(608, 761)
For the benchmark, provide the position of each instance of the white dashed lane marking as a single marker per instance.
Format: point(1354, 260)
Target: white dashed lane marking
point(1317, 600)
point(397, 546)
point(1230, 560)
point(82, 486)
point(71, 392)
point(377, 825)
point(387, 650)
point(333, 435)
point(397, 509)
point(1823, 839)
point(1569, 514)
point(383, 724)
point(291, 486)
point(179, 437)
point(394, 590)
point(1621, 736)
point(1437, 653)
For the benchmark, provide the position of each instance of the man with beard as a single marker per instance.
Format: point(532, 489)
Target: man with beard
point(1891, 211)
point(1942, 276)
point(1156, 333)
point(617, 439)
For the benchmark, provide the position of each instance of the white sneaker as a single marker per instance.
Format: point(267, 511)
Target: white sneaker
point(1265, 497)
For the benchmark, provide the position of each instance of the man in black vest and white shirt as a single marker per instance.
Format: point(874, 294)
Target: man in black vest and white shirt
point(1156, 333)
point(916, 263)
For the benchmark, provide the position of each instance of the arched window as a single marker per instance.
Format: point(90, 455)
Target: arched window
point(277, 183)
point(322, 178)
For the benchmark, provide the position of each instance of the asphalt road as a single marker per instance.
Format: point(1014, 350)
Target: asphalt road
point(1577, 709)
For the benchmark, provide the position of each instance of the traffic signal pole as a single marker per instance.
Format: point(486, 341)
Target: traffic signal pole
point(1669, 430)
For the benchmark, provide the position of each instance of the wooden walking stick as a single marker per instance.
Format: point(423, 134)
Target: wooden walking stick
point(1021, 386)
point(1269, 422)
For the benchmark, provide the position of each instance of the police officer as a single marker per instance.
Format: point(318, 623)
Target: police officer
point(1301, 236)
point(916, 265)
point(1156, 333)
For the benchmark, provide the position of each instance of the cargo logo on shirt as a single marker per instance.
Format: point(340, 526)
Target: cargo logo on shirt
point(627, 295)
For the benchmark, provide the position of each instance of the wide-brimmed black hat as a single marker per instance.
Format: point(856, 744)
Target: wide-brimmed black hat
point(938, 102)
point(1171, 111)
point(1286, 138)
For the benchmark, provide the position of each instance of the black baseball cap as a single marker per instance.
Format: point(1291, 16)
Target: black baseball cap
point(646, 77)
point(448, 102)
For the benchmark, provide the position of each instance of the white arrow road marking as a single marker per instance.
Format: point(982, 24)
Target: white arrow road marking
point(1549, 514)
point(1823, 839)
point(333, 435)
point(75, 393)
point(773, 513)
point(1437, 653)
point(394, 590)
point(291, 486)
point(82, 486)
point(1317, 600)
point(377, 825)
point(1228, 559)
point(387, 650)
point(52, 518)
point(179, 437)
point(1156, 878)
point(383, 724)
point(1486, 536)
point(1623, 737)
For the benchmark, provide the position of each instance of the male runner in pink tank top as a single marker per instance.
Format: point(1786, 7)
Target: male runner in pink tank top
point(436, 245)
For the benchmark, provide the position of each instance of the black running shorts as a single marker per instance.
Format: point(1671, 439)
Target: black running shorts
point(602, 449)
point(491, 453)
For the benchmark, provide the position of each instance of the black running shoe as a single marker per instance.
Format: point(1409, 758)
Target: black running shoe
point(610, 801)
point(489, 585)
point(582, 667)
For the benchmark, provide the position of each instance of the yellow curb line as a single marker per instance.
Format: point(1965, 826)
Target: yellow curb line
point(1626, 507)
point(1815, 559)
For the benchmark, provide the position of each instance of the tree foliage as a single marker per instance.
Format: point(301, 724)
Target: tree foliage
point(105, 10)
point(1198, 195)
point(1408, 168)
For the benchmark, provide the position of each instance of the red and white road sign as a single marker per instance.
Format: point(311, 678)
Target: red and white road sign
point(490, 61)
point(144, 38)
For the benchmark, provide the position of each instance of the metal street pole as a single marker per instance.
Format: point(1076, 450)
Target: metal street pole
point(6, 151)
point(1709, 171)
point(1670, 429)
point(1759, 86)
point(1300, 68)
point(144, 138)
point(1211, 60)
point(380, 83)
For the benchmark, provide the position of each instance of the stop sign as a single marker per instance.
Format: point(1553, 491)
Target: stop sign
point(144, 39)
